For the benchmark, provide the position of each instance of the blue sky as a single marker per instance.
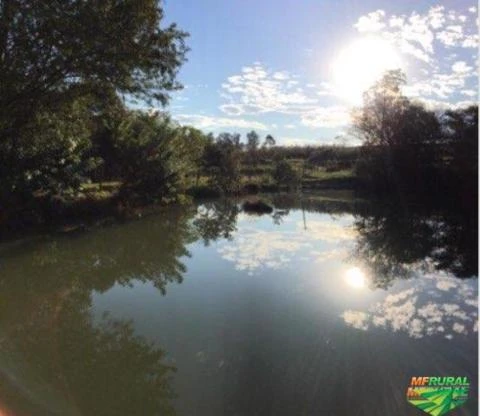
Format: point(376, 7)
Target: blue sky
point(290, 67)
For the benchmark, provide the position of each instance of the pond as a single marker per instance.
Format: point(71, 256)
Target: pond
point(328, 305)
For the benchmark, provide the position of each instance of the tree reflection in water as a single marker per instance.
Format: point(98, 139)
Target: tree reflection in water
point(55, 359)
point(394, 240)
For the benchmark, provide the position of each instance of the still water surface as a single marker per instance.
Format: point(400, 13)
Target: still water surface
point(327, 306)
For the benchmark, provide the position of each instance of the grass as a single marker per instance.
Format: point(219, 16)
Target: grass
point(260, 177)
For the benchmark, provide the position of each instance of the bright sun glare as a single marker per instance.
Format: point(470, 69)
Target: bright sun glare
point(355, 277)
point(359, 65)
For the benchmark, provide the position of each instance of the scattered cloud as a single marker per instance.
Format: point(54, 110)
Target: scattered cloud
point(409, 312)
point(437, 48)
point(372, 22)
point(258, 90)
point(428, 40)
point(333, 116)
point(252, 249)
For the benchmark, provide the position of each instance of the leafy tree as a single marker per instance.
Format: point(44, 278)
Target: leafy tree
point(379, 121)
point(284, 174)
point(460, 128)
point(155, 157)
point(400, 138)
point(73, 46)
point(460, 153)
point(269, 141)
point(253, 141)
point(221, 161)
point(50, 155)
point(53, 54)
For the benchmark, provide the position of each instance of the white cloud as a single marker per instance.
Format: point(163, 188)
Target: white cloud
point(297, 141)
point(451, 36)
point(423, 38)
point(210, 122)
point(333, 116)
point(281, 76)
point(372, 22)
point(470, 41)
point(461, 67)
point(472, 302)
point(436, 17)
point(259, 90)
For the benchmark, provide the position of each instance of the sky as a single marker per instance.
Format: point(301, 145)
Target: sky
point(296, 68)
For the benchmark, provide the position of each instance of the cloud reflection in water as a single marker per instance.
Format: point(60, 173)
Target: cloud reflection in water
point(253, 248)
point(407, 311)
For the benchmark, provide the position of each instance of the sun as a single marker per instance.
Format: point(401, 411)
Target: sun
point(355, 278)
point(359, 65)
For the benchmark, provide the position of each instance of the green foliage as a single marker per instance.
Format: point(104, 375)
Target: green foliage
point(62, 65)
point(49, 154)
point(156, 157)
point(222, 160)
point(400, 138)
point(253, 141)
point(285, 174)
point(51, 47)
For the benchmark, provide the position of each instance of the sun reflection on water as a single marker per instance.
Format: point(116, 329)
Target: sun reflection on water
point(355, 278)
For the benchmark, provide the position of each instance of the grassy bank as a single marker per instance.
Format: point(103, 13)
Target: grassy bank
point(100, 202)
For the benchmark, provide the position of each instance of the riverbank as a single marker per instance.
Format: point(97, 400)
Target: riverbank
point(100, 203)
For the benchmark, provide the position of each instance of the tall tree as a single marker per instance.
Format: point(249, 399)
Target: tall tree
point(67, 47)
point(269, 141)
point(400, 137)
point(379, 120)
point(253, 141)
point(55, 53)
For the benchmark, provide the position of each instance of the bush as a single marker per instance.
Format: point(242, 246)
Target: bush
point(285, 174)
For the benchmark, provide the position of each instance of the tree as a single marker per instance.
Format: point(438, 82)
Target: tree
point(285, 174)
point(379, 120)
point(460, 132)
point(253, 141)
point(400, 138)
point(221, 161)
point(51, 155)
point(269, 141)
point(73, 46)
point(53, 54)
point(155, 157)
point(460, 156)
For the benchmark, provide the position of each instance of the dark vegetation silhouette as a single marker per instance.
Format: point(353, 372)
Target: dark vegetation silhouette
point(408, 149)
